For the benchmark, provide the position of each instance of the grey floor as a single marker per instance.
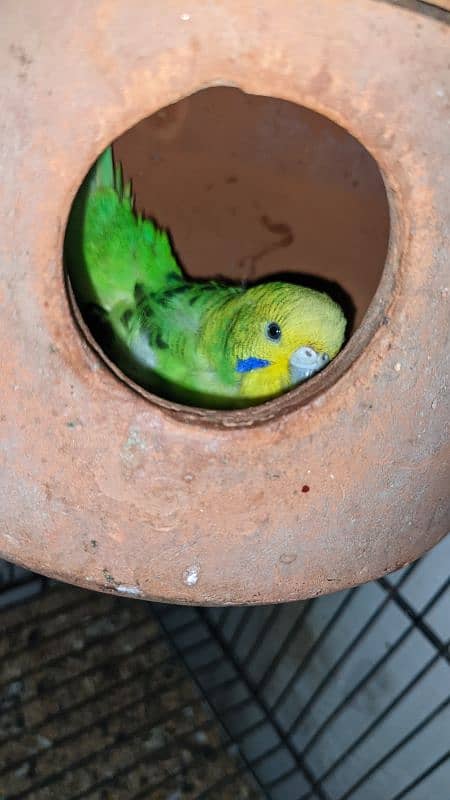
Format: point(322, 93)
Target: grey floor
point(345, 696)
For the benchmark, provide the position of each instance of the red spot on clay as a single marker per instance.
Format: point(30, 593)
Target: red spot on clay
point(305, 488)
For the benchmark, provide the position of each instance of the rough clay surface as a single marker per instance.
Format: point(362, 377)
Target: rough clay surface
point(102, 488)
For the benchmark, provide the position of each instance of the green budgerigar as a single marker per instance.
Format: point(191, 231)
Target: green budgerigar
point(203, 343)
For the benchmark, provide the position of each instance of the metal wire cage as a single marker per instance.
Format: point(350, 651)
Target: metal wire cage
point(345, 696)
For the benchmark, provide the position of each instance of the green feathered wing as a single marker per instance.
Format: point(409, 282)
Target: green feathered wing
point(131, 289)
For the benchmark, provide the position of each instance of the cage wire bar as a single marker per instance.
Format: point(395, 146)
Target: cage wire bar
point(342, 697)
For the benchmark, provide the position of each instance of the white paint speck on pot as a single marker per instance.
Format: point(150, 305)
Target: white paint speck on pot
point(190, 575)
point(133, 590)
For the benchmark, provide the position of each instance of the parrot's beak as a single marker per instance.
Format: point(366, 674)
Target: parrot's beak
point(305, 362)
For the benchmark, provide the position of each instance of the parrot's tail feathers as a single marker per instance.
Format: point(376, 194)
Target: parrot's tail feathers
point(124, 191)
point(109, 247)
point(105, 174)
point(103, 170)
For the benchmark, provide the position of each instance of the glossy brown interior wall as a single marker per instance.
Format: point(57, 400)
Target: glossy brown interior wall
point(251, 185)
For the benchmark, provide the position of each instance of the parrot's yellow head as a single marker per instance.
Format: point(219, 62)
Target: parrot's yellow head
point(281, 335)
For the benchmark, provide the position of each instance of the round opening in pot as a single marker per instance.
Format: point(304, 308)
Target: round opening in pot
point(257, 195)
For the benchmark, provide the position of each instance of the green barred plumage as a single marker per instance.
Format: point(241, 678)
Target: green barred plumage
point(203, 343)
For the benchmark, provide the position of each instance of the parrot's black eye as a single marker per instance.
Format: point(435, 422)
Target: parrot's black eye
point(273, 332)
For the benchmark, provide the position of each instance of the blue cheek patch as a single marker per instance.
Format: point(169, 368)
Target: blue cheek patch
point(249, 364)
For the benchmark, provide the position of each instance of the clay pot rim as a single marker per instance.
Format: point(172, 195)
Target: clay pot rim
point(355, 348)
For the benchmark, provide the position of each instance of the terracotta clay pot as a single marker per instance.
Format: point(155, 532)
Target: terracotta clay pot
point(342, 480)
